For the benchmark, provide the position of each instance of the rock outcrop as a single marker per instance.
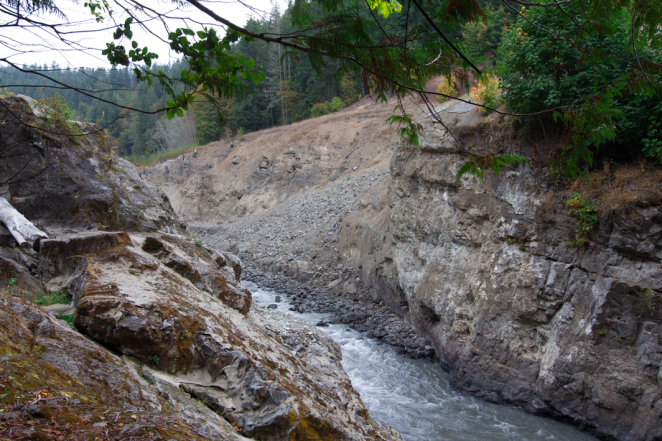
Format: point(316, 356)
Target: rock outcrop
point(59, 385)
point(271, 377)
point(198, 360)
point(516, 315)
point(70, 178)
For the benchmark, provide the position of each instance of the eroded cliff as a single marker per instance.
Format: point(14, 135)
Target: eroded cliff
point(516, 314)
point(221, 183)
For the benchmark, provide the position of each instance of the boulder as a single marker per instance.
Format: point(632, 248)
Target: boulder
point(270, 376)
point(60, 384)
point(215, 272)
point(79, 182)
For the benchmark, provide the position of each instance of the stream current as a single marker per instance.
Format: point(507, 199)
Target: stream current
point(414, 396)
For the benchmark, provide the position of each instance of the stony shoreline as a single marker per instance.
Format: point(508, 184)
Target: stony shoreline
point(293, 248)
point(359, 312)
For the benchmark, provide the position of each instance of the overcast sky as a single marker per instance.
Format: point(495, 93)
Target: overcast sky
point(28, 45)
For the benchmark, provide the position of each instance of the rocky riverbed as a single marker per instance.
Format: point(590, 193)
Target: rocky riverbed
point(293, 248)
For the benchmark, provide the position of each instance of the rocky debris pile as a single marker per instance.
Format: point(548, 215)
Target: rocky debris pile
point(293, 248)
point(357, 310)
point(517, 314)
point(66, 181)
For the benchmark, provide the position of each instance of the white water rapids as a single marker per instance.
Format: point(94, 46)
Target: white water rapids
point(414, 396)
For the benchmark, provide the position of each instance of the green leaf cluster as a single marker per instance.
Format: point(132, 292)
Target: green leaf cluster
point(577, 65)
point(408, 129)
point(54, 298)
point(477, 165)
point(587, 217)
point(324, 108)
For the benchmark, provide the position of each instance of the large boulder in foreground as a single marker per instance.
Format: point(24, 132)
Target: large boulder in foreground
point(271, 376)
point(59, 385)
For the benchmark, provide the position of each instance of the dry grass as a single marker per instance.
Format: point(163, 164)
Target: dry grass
point(619, 188)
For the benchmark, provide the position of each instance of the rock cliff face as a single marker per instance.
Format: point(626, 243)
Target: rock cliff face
point(74, 181)
point(515, 314)
point(198, 359)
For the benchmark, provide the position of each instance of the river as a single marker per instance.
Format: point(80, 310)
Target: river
point(414, 396)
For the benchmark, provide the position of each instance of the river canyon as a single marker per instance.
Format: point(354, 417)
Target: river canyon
point(324, 280)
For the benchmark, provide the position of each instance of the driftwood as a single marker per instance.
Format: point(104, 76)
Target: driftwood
point(22, 229)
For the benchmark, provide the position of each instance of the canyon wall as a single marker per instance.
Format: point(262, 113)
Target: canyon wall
point(517, 315)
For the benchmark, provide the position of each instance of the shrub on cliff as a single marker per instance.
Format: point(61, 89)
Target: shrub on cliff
point(586, 72)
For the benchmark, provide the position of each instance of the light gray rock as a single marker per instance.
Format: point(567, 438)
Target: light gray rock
point(138, 295)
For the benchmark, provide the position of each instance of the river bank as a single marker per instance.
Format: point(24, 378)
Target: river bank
point(293, 247)
point(414, 396)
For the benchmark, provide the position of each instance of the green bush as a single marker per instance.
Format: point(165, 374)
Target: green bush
point(587, 217)
point(653, 140)
point(327, 107)
point(548, 60)
point(69, 318)
point(57, 115)
point(482, 36)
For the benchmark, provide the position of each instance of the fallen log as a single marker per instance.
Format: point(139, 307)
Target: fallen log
point(22, 229)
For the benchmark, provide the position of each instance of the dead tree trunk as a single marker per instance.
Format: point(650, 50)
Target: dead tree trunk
point(22, 229)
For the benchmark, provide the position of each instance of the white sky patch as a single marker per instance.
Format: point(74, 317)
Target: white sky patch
point(30, 44)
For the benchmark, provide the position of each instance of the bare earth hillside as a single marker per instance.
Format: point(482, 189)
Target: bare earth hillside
point(264, 168)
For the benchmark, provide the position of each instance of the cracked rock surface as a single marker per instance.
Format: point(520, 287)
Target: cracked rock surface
point(516, 315)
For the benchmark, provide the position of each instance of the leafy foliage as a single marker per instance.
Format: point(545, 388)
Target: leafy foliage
point(327, 107)
point(653, 140)
point(54, 298)
point(57, 114)
point(477, 165)
point(69, 318)
point(566, 61)
point(28, 7)
point(407, 128)
point(447, 86)
point(486, 92)
point(587, 217)
point(483, 35)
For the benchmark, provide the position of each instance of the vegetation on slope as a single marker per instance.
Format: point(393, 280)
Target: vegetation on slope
point(590, 71)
